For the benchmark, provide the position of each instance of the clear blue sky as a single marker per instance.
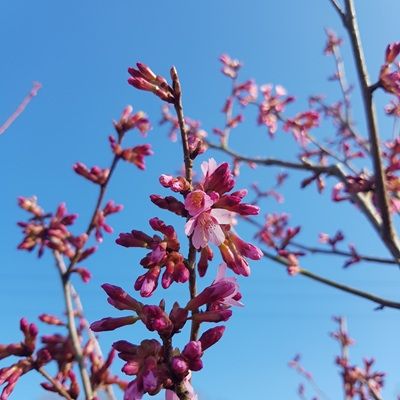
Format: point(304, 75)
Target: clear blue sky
point(80, 52)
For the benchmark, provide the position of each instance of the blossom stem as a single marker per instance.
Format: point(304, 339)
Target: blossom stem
point(100, 197)
point(191, 259)
point(60, 389)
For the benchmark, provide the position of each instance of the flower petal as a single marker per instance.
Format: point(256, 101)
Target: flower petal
point(222, 216)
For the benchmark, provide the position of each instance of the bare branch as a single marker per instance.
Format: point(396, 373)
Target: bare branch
point(305, 165)
point(20, 109)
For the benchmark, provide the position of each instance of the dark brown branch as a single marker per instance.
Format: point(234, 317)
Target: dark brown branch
point(387, 231)
point(338, 9)
point(381, 302)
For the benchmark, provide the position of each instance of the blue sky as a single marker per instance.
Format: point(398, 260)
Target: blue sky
point(80, 51)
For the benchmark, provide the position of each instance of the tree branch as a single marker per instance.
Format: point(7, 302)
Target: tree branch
point(387, 231)
point(66, 284)
point(338, 8)
point(381, 302)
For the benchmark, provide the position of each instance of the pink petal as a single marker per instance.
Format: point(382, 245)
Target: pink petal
point(222, 216)
point(208, 167)
point(200, 237)
point(189, 226)
point(216, 234)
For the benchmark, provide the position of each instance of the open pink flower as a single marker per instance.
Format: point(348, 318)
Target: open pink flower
point(205, 224)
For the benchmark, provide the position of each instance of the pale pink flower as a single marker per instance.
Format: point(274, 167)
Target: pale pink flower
point(198, 201)
point(205, 222)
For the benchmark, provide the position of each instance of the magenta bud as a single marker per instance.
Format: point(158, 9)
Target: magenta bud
point(120, 299)
point(218, 291)
point(51, 319)
point(125, 347)
point(211, 336)
point(196, 365)
point(134, 239)
point(220, 181)
point(156, 319)
point(130, 368)
point(109, 324)
point(192, 350)
point(213, 316)
point(178, 316)
point(179, 366)
point(169, 203)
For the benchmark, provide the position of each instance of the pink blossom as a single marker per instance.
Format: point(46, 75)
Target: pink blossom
point(230, 66)
point(197, 202)
point(224, 291)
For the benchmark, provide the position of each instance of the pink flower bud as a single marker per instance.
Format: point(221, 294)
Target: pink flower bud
point(218, 315)
point(148, 282)
point(51, 320)
point(134, 239)
point(218, 291)
point(84, 273)
point(205, 256)
point(392, 51)
point(192, 350)
point(120, 299)
point(179, 366)
point(211, 336)
point(169, 203)
point(178, 317)
point(156, 319)
point(220, 180)
point(109, 324)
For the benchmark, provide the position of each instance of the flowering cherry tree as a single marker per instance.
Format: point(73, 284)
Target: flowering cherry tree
point(204, 251)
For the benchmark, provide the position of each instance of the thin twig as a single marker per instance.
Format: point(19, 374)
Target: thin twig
point(320, 250)
point(381, 302)
point(59, 388)
point(20, 109)
point(100, 197)
point(269, 161)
